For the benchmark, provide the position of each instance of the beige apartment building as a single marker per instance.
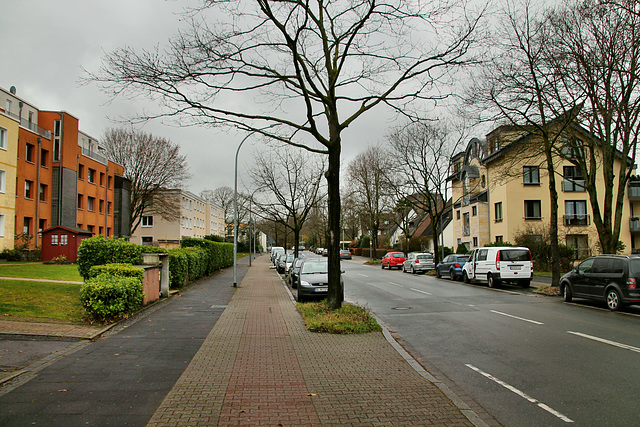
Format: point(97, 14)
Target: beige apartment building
point(9, 128)
point(197, 218)
point(499, 192)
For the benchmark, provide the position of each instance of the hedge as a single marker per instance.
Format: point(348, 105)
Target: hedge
point(220, 254)
point(117, 269)
point(107, 297)
point(99, 250)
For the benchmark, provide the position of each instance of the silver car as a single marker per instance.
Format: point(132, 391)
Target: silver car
point(418, 262)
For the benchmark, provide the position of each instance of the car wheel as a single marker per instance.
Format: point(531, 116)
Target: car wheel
point(438, 275)
point(465, 277)
point(452, 275)
point(382, 266)
point(301, 297)
point(526, 283)
point(614, 301)
point(567, 295)
point(493, 283)
point(413, 270)
point(404, 270)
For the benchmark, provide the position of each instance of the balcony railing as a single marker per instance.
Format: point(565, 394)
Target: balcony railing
point(573, 185)
point(579, 219)
point(634, 190)
point(634, 225)
point(31, 126)
point(95, 156)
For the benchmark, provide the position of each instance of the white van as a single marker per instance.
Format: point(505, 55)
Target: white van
point(499, 264)
point(275, 251)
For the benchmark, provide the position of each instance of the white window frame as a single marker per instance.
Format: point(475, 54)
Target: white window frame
point(3, 138)
point(147, 221)
point(64, 238)
point(91, 201)
point(3, 181)
point(54, 240)
point(1, 225)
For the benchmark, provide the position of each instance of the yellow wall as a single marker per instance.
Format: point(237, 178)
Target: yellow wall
point(8, 163)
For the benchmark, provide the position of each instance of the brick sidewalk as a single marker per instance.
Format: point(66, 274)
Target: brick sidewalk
point(260, 366)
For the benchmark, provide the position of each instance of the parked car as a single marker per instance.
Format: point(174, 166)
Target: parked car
point(294, 272)
point(498, 264)
point(345, 254)
point(418, 262)
point(314, 279)
point(451, 266)
point(275, 251)
point(288, 261)
point(325, 252)
point(319, 251)
point(613, 279)
point(392, 260)
point(280, 262)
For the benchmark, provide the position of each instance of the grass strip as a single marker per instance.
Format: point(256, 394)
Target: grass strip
point(26, 300)
point(349, 319)
point(68, 272)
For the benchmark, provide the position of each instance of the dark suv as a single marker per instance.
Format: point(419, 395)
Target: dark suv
point(609, 278)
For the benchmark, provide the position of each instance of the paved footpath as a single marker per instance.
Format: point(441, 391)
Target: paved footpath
point(199, 360)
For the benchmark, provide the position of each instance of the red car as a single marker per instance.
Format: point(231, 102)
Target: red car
point(393, 259)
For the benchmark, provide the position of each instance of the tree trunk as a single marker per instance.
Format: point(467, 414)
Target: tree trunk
point(335, 294)
point(553, 223)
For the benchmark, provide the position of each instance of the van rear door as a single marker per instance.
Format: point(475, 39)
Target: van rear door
point(515, 263)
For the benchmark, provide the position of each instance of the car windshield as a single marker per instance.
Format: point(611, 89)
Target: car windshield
point(425, 256)
point(398, 255)
point(515, 255)
point(313, 267)
point(463, 258)
point(290, 258)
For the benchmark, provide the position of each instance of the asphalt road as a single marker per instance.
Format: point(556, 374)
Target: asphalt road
point(528, 359)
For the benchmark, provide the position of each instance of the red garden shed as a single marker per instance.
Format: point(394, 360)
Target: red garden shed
point(61, 240)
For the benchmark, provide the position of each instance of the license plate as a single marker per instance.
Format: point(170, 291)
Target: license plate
point(515, 267)
point(320, 290)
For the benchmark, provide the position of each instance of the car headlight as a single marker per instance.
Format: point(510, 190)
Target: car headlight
point(303, 283)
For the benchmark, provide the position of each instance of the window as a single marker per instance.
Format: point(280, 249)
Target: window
point(474, 210)
point(498, 211)
point(63, 239)
point(101, 207)
point(458, 215)
point(101, 179)
point(575, 212)
point(531, 175)
point(41, 226)
point(44, 157)
point(147, 221)
point(109, 182)
point(3, 181)
point(573, 179)
point(90, 203)
point(475, 242)
point(3, 138)
point(90, 228)
point(26, 228)
point(532, 209)
point(482, 254)
point(147, 240)
point(499, 239)
point(580, 245)
point(29, 153)
point(57, 135)
point(1, 225)
point(109, 208)
point(28, 188)
point(80, 201)
point(54, 240)
point(80, 171)
point(43, 193)
point(91, 176)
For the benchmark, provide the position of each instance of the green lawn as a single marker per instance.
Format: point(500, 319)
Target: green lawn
point(40, 300)
point(67, 272)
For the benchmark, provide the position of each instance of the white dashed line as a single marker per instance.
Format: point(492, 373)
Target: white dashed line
point(605, 341)
point(516, 317)
point(418, 290)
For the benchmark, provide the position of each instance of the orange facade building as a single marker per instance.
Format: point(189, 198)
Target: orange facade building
point(63, 177)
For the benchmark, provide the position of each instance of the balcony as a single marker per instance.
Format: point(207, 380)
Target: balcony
point(570, 185)
point(95, 156)
point(31, 126)
point(634, 191)
point(634, 225)
point(576, 220)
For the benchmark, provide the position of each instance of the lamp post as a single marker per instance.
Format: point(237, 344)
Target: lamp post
point(235, 215)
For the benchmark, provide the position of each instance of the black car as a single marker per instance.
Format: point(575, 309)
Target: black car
point(609, 278)
point(314, 279)
point(294, 272)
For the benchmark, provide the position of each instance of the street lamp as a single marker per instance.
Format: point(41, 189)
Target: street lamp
point(235, 215)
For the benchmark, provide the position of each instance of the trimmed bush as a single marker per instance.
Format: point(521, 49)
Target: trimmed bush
point(220, 255)
point(99, 250)
point(117, 269)
point(107, 297)
point(178, 267)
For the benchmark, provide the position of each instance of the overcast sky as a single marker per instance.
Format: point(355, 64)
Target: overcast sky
point(45, 44)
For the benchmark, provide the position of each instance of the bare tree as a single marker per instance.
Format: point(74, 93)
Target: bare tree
point(423, 152)
point(312, 69)
point(289, 181)
point(595, 53)
point(518, 85)
point(371, 189)
point(152, 164)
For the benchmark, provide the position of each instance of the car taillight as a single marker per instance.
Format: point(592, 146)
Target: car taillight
point(417, 261)
point(631, 283)
point(457, 265)
point(498, 260)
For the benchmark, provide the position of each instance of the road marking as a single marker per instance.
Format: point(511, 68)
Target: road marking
point(605, 341)
point(363, 275)
point(396, 284)
point(516, 317)
point(418, 290)
point(521, 394)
